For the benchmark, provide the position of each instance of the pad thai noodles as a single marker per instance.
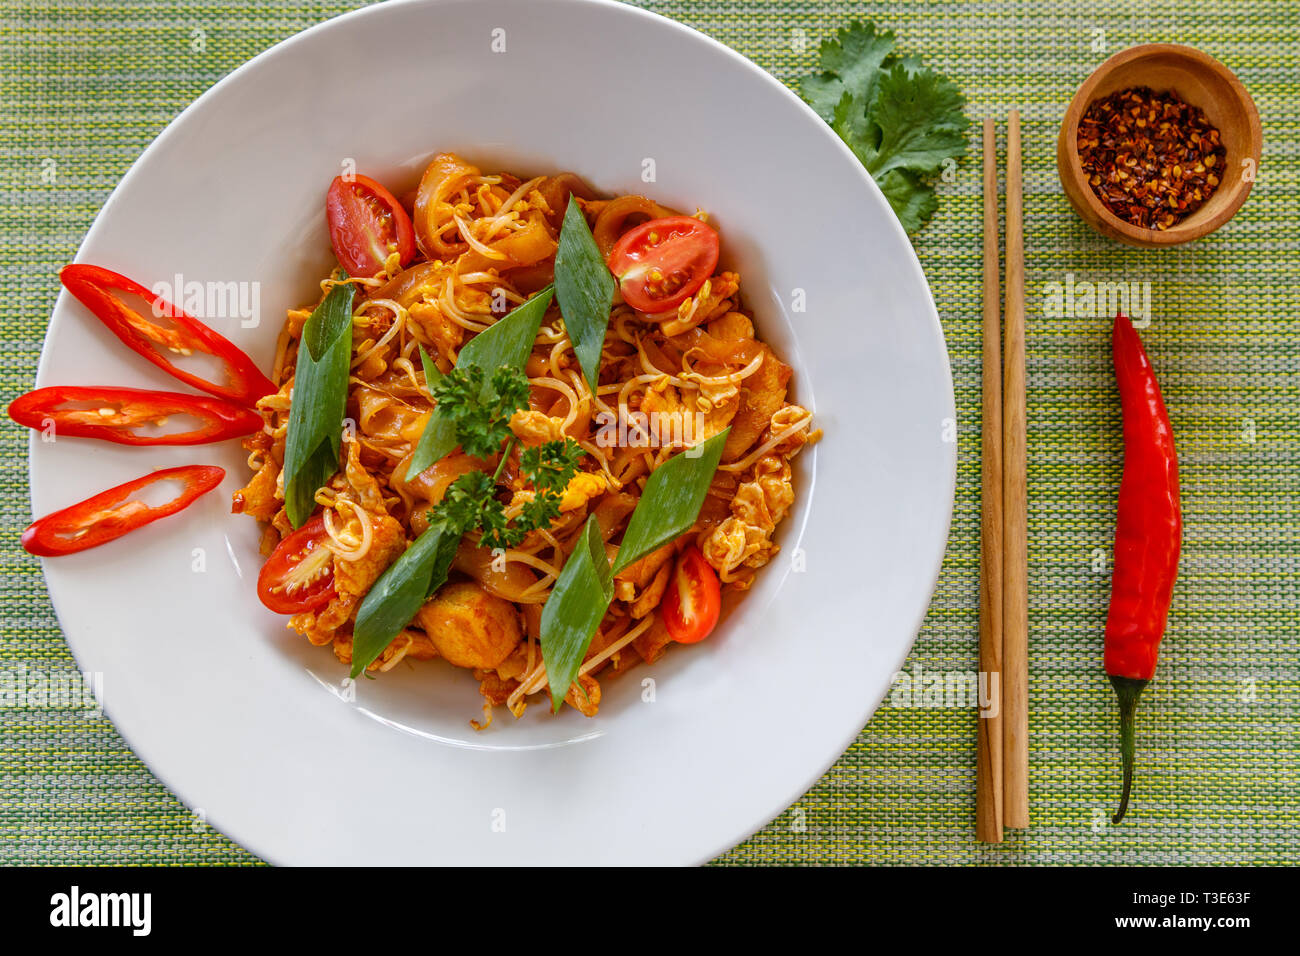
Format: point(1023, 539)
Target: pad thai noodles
point(480, 246)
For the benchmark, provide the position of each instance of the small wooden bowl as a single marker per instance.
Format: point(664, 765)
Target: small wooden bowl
point(1203, 82)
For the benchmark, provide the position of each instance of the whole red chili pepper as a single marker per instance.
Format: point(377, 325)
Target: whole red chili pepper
point(1148, 536)
point(115, 414)
point(97, 287)
point(110, 514)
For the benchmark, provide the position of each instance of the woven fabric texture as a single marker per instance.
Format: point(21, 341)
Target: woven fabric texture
point(85, 87)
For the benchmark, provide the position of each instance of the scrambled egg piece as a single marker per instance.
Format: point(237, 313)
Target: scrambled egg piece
point(536, 428)
point(745, 538)
point(442, 331)
point(257, 498)
point(707, 304)
point(677, 420)
point(581, 488)
point(783, 419)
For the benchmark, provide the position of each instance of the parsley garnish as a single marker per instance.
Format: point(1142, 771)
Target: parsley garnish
point(480, 412)
point(480, 409)
point(902, 120)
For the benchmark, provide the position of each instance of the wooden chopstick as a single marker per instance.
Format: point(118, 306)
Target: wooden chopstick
point(1015, 562)
point(988, 769)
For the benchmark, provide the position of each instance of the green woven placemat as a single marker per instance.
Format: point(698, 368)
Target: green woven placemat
point(86, 86)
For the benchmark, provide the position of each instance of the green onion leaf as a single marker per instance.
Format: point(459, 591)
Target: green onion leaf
point(320, 396)
point(508, 344)
point(431, 373)
point(671, 500)
point(399, 593)
point(582, 593)
point(585, 290)
point(574, 610)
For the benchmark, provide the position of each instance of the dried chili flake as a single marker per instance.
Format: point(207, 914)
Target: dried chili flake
point(1152, 158)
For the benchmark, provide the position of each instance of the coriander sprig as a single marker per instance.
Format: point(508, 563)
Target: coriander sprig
point(903, 121)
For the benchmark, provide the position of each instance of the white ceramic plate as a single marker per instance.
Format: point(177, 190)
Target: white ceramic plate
point(244, 720)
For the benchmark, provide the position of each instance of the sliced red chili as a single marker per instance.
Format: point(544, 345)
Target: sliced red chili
point(110, 514)
point(98, 289)
point(117, 414)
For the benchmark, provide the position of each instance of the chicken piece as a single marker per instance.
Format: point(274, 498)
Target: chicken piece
point(319, 626)
point(516, 665)
point(623, 659)
point(653, 594)
point(652, 642)
point(409, 644)
point(295, 319)
point(352, 580)
point(363, 481)
point(717, 503)
point(584, 695)
point(495, 689)
point(762, 394)
point(257, 498)
point(470, 627)
point(640, 573)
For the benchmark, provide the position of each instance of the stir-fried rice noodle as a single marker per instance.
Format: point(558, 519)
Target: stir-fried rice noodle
point(486, 244)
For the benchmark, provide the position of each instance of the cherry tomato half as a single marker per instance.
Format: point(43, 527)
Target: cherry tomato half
point(693, 601)
point(660, 263)
point(366, 223)
point(299, 574)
